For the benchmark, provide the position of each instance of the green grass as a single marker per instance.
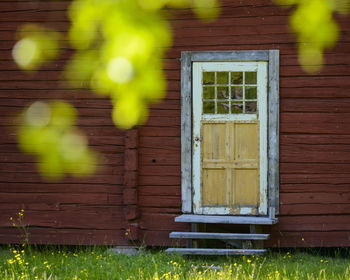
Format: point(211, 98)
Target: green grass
point(98, 263)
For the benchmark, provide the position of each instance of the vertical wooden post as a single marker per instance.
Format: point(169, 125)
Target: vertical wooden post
point(130, 196)
point(257, 244)
point(186, 132)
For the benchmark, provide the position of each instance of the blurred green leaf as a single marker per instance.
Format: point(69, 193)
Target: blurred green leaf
point(36, 45)
point(130, 38)
point(48, 131)
point(206, 9)
point(316, 29)
point(119, 52)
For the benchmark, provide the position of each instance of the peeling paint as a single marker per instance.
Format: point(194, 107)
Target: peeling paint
point(199, 119)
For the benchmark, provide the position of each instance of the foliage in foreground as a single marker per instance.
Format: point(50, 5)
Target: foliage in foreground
point(99, 263)
point(119, 49)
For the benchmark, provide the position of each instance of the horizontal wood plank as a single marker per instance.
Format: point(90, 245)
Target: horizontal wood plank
point(309, 239)
point(314, 136)
point(200, 251)
point(69, 216)
point(59, 187)
point(160, 221)
point(323, 223)
point(187, 218)
point(69, 236)
point(330, 197)
point(221, 236)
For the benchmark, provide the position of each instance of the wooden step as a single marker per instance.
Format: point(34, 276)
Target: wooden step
point(222, 236)
point(243, 220)
point(197, 251)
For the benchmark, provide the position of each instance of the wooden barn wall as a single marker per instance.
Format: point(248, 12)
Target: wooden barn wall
point(71, 211)
point(314, 128)
point(314, 138)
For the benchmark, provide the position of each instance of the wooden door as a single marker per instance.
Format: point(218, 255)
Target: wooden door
point(230, 138)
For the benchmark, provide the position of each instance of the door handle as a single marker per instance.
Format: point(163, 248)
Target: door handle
point(198, 139)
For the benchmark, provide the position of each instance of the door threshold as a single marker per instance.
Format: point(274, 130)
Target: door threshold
point(210, 219)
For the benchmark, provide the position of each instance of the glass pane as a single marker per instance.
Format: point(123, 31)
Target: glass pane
point(236, 78)
point(223, 107)
point(208, 93)
point(250, 93)
point(208, 78)
point(209, 107)
point(222, 78)
point(236, 107)
point(236, 92)
point(223, 93)
point(250, 78)
point(250, 107)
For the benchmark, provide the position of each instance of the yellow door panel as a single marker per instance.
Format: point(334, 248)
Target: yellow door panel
point(230, 164)
point(246, 140)
point(245, 187)
point(214, 187)
point(213, 145)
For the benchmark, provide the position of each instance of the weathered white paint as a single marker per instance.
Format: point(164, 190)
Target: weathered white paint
point(200, 251)
point(251, 55)
point(186, 130)
point(262, 111)
point(227, 117)
point(273, 140)
point(198, 117)
point(222, 236)
point(237, 220)
point(196, 134)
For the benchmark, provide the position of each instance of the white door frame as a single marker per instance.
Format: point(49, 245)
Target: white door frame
point(187, 59)
point(198, 116)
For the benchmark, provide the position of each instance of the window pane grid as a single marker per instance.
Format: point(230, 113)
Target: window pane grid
point(226, 92)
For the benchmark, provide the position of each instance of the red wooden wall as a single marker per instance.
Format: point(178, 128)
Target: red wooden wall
point(314, 125)
point(72, 211)
point(138, 185)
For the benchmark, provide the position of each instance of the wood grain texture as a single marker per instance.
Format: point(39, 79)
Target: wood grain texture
point(314, 131)
point(130, 190)
point(74, 210)
point(186, 132)
point(241, 220)
point(309, 239)
point(230, 164)
point(40, 235)
point(273, 130)
point(223, 236)
point(314, 135)
point(195, 251)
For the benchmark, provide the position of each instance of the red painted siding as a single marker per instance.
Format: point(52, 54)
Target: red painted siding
point(314, 138)
point(72, 211)
point(314, 125)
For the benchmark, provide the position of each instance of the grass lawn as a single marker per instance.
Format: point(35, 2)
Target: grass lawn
point(98, 263)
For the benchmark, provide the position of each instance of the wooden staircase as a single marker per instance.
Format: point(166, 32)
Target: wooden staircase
point(244, 243)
